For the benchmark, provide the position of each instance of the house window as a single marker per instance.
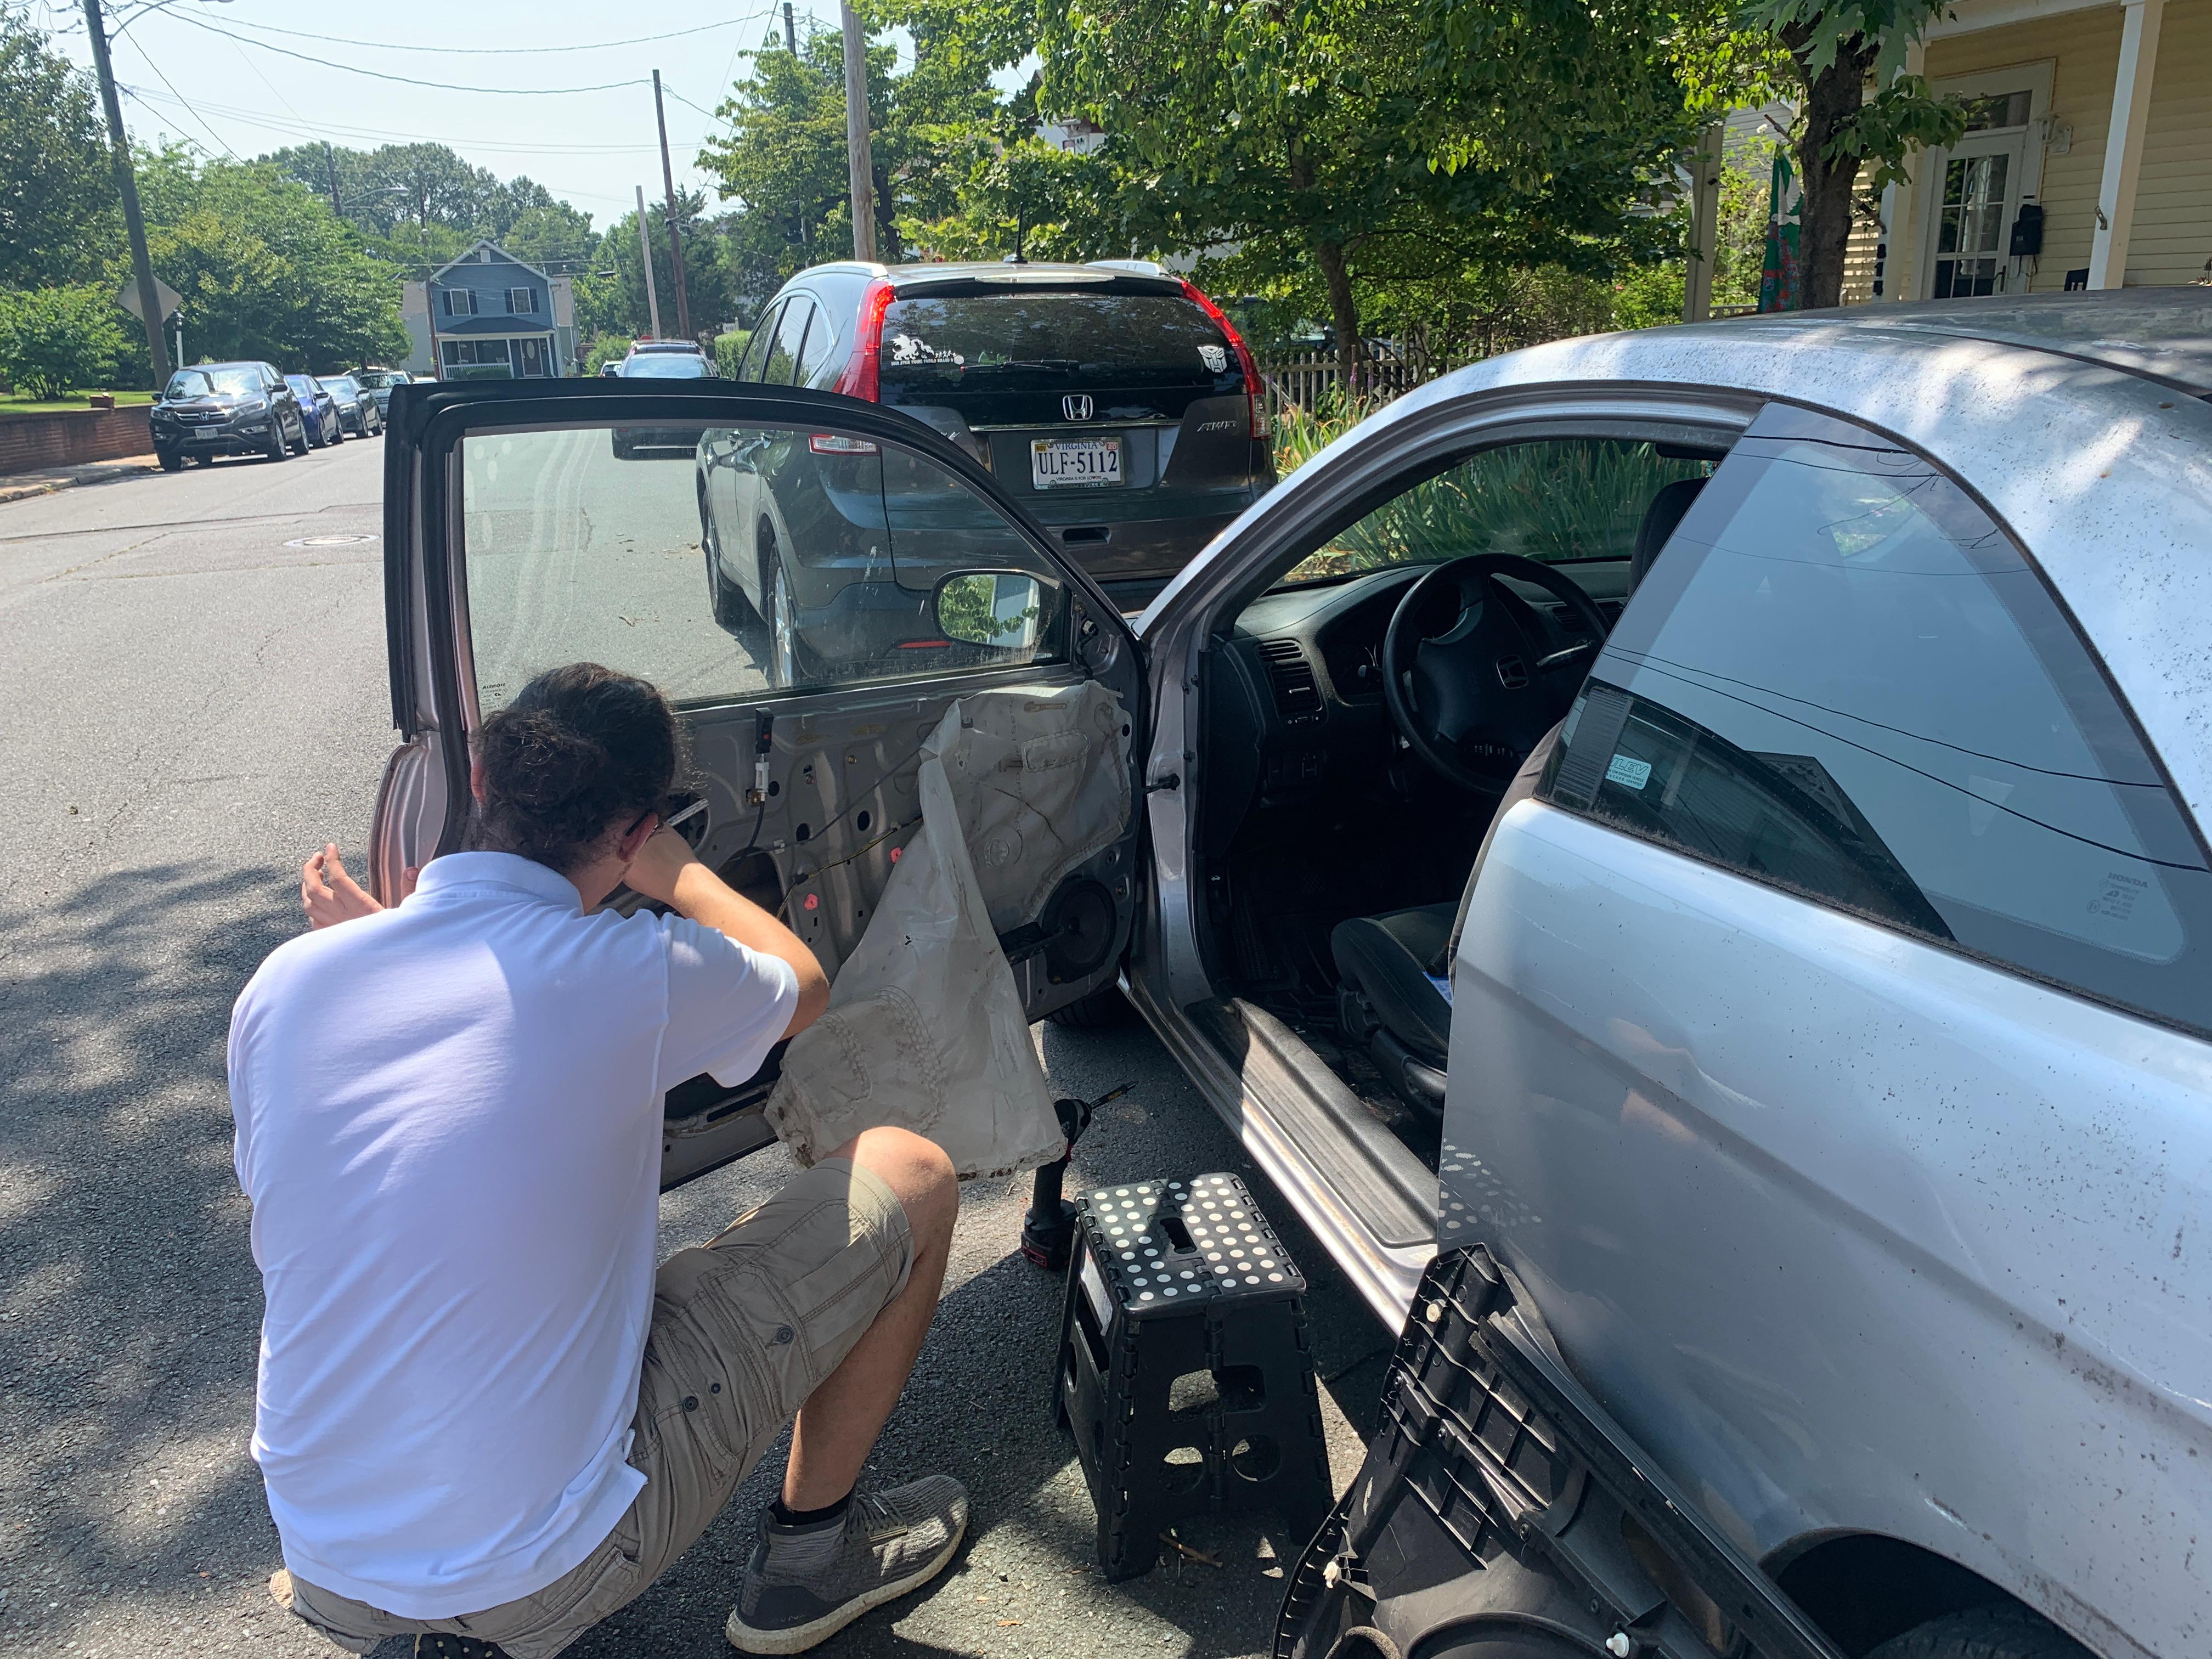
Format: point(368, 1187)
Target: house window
point(476, 359)
point(522, 301)
point(460, 303)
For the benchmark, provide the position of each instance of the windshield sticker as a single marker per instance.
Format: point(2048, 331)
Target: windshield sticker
point(1629, 772)
point(1216, 358)
point(912, 349)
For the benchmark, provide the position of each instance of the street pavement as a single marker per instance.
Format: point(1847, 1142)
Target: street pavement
point(192, 668)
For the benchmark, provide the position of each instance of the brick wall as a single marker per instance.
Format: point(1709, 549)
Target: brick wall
point(30, 442)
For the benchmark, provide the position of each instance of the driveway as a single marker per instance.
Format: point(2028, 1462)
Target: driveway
point(192, 668)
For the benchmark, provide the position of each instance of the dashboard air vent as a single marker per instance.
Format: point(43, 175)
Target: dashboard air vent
point(1298, 697)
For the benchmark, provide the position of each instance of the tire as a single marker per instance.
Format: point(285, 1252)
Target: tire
point(731, 609)
point(2005, 1631)
point(791, 662)
point(278, 449)
point(337, 434)
point(301, 447)
point(170, 460)
point(1101, 1009)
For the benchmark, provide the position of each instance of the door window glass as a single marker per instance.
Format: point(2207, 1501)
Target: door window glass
point(790, 333)
point(1840, 677)
point(723, 564)
point(756, 349)
point(816, 358)
point(1970, 231)
point(1579, 498)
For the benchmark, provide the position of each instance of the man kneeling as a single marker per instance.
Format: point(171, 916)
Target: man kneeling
point(482, 1413)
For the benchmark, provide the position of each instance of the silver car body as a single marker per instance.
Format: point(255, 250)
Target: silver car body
point(1855, 1234)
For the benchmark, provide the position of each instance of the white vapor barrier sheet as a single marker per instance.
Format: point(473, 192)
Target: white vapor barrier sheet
point(926, 1029)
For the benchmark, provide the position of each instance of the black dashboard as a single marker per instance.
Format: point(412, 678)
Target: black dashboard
point(1294, 694)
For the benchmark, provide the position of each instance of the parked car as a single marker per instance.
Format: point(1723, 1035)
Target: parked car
point(226, 409)
point(1699, 834)
point(318, 409)
point(631, 443)
point(357, 411)
point(378, 383)
point(1115, 403)
point(659, 348)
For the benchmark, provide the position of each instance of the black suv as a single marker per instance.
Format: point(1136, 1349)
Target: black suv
point(227, 409)
point(1115, 402)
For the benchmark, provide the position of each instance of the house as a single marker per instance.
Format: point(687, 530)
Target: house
point(490, 315)
point(2087, 161)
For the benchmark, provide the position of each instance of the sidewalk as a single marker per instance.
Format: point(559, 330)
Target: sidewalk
point(14, 486)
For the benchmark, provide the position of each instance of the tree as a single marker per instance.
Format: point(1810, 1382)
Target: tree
point(620, 305)
point(55, 339)
point(265, 269)
point(57, 207)
point(1828, 56)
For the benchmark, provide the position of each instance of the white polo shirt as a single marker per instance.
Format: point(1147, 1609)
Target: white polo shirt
point(449, 1122)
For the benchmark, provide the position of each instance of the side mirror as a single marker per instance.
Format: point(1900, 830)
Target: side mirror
point(1005, 609)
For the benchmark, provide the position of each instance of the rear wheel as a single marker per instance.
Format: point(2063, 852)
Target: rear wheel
point(724, 598)
point(791, 661)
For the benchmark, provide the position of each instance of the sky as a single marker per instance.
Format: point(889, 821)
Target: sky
point(215, 73)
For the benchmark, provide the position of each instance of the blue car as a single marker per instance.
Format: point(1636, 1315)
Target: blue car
point(318, 409)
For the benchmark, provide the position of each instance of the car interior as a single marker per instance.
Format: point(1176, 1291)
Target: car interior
point(1336, 834)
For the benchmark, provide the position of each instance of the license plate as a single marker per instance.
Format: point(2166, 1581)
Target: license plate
point(1062, 462)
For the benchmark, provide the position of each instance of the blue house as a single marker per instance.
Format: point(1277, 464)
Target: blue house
point(490, 315)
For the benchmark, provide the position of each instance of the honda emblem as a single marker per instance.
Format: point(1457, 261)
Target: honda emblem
point(1076, 408)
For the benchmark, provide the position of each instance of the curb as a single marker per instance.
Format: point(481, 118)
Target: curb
point(47, 483)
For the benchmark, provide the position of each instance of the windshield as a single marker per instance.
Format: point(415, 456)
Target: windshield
point(303, 384)
point(238, 381)
point(341, 386)
point(1048, 340)
point(377, 378)
point(668, 366)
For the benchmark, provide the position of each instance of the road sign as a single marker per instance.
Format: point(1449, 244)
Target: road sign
point(127, 297)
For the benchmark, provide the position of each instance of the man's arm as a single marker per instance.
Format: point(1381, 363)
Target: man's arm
point(666, 870)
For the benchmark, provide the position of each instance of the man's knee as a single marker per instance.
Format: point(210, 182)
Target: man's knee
point(918, 1172)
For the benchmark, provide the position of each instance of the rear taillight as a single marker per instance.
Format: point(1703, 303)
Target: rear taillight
point(863, 374)
point(1255, 392)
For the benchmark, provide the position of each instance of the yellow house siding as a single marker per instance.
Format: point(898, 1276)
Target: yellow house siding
point(2173, 237)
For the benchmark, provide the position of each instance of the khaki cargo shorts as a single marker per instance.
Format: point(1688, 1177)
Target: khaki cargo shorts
point(743, 1329)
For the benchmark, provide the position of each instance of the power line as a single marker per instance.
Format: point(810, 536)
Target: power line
point(152, 64)
point(406, 80)
point(301, 128)
point(487, 51)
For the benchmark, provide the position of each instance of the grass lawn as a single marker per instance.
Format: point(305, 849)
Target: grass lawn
point(16, 404)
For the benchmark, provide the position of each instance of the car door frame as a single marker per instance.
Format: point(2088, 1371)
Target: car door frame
point(1272, 1099)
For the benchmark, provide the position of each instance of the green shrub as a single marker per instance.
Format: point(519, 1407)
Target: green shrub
point(730, 349)
point(53, 340)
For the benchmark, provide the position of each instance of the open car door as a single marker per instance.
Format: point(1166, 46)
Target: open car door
point(812, 581)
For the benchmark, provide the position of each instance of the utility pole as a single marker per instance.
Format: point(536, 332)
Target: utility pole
point(858, 161)
point(126, 182)
point(331, 167)
point(675, 241)
point(645, 246)
point(790, 30)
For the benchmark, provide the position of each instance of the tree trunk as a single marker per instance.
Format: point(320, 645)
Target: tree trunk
point(1343, 311)
point(1823, 213)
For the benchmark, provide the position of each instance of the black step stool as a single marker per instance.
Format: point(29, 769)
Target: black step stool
point(1184, 1372)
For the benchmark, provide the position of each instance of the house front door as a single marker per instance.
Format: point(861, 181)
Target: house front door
point(1977, 186)
point(532, 355)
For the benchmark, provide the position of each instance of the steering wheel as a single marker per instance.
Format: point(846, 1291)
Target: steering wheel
point(1473, 675)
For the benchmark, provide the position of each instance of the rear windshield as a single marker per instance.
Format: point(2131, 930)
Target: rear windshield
point(377, 378)
point(1038, 341)
point(670, 367)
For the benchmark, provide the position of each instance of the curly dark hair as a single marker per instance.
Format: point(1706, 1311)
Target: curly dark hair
point(581, 750)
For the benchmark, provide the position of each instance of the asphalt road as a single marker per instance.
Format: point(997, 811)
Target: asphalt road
point(191, 672)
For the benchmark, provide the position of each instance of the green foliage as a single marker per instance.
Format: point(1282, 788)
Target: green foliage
point(1903, 117)
point(730, 349)
point(605, 348)
point(265, 269)
point(1653, 294)
point(53, 340)
point(714, 290)
point(1023, 193)
point(57, 201)
point(1572, 499)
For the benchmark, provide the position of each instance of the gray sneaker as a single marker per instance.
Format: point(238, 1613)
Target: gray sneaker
point(894, 1542)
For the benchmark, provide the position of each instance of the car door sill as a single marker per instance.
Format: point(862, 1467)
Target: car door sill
point(1368, 1198)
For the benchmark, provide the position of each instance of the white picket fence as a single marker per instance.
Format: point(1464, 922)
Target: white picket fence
point(1306, 378)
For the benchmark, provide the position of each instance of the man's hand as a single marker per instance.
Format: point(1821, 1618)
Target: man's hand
point(658, 863)
point(329, 896)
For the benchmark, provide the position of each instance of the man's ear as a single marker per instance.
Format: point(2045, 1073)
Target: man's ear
point(630, 840)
